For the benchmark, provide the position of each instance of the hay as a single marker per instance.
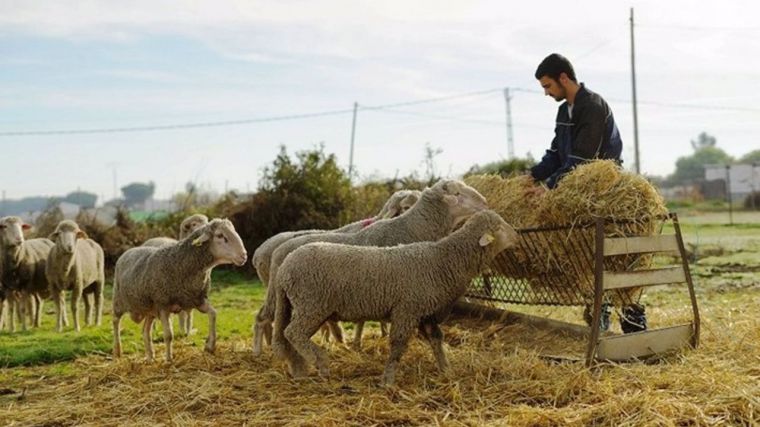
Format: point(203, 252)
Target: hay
point(551, 261)
point(497, 378)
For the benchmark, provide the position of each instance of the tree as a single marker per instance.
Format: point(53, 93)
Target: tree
point(704, 140)
point(137, 192)
point(81, 198)
point(751, 157)
point(311, 191)
point(503, 167)
point(430, 154)
point(690, 169)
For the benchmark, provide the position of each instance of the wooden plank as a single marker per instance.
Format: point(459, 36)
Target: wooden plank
point(636, 245)
point(643, 344)
point(632, 279)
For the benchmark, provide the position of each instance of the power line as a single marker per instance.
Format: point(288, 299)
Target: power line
point(223, 123)
point(695, 28)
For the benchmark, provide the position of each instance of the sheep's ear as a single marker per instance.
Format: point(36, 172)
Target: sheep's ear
point(82, 235)
point(25, 226)
point(486, 239)
point(450, 200)
point(390, 214)
point(53, 235)
point(201, 239)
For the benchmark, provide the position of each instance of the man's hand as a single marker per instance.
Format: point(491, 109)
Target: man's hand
point(535, 191)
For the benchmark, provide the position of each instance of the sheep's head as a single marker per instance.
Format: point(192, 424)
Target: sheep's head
point(12, 230)
point(463, 201)
point(66, 234)
point(409, 200)
point(398, 203)
point(191, 223)
point(495, 233)
point(224, 242)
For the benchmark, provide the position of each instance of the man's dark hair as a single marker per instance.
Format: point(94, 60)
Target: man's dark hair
point(554, 65)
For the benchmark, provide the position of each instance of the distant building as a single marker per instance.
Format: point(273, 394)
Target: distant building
point(743, 179)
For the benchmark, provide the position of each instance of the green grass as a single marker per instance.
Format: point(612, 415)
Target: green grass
point(234, 296)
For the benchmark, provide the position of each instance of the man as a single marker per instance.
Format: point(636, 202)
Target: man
point(585, 130)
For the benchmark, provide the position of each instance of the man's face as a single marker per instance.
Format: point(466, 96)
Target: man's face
point(553, 88)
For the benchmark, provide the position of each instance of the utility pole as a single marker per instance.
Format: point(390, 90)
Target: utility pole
point(728, 195)
point(510, 138)
point(113, 166)
point(635, 112)
point(353, 135)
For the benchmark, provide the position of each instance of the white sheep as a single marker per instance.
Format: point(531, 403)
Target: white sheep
point(76, 264)
point(186, 227)
point(152, 282)
point(23, 272)
point(439, 210)
point(398, 203)
point(408, 285)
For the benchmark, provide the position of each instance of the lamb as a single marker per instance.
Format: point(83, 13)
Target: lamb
point(75, 263)
point(23, 272)
point(186, 227)
point(152, 282)
point(440, 209)
point(398, 203)
point(408, 285)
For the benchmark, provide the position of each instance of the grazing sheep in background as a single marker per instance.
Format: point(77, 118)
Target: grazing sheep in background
point(23, 272)
point(188, 225)
point(398, 203)
point(152, 282)
point(408, 285)
point(76, 264)
point(440, 209)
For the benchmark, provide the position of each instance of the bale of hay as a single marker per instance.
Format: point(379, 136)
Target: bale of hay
point(599, 189)
point(514, 198)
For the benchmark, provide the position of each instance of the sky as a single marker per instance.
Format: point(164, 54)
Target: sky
point(99, 65)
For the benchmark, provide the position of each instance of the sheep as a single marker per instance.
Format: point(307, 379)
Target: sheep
point(409, 285)
point(23, 272)
point(186, 227)
point(440, 209)
point(152, 282)
point(398, 203)
point(75, 263)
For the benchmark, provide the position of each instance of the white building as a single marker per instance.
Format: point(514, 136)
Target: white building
point(742, 178)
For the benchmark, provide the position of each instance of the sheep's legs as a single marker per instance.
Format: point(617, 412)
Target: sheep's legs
point(148, 337)
point(185, 322)
point(168, 333)
point(88, 307)
point(336, 330)
point(116, 335)
point(3, 309)
point(383, 329)
point(60, 303)
point(400, 334)
point(38, 309)
point(299, 333)
point(434, 336)
point(98, 296)
point(356, 344)
point(211, 340)
point(76, 295)
point(262, 326)
point(65, 315)
point(12, 311)
point(23, 304)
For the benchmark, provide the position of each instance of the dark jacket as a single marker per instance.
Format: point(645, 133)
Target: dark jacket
point(590, 134)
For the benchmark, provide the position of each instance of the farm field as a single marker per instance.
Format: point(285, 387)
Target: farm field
point(497, 377)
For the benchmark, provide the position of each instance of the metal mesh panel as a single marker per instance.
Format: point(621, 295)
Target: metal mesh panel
point(555, 266)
